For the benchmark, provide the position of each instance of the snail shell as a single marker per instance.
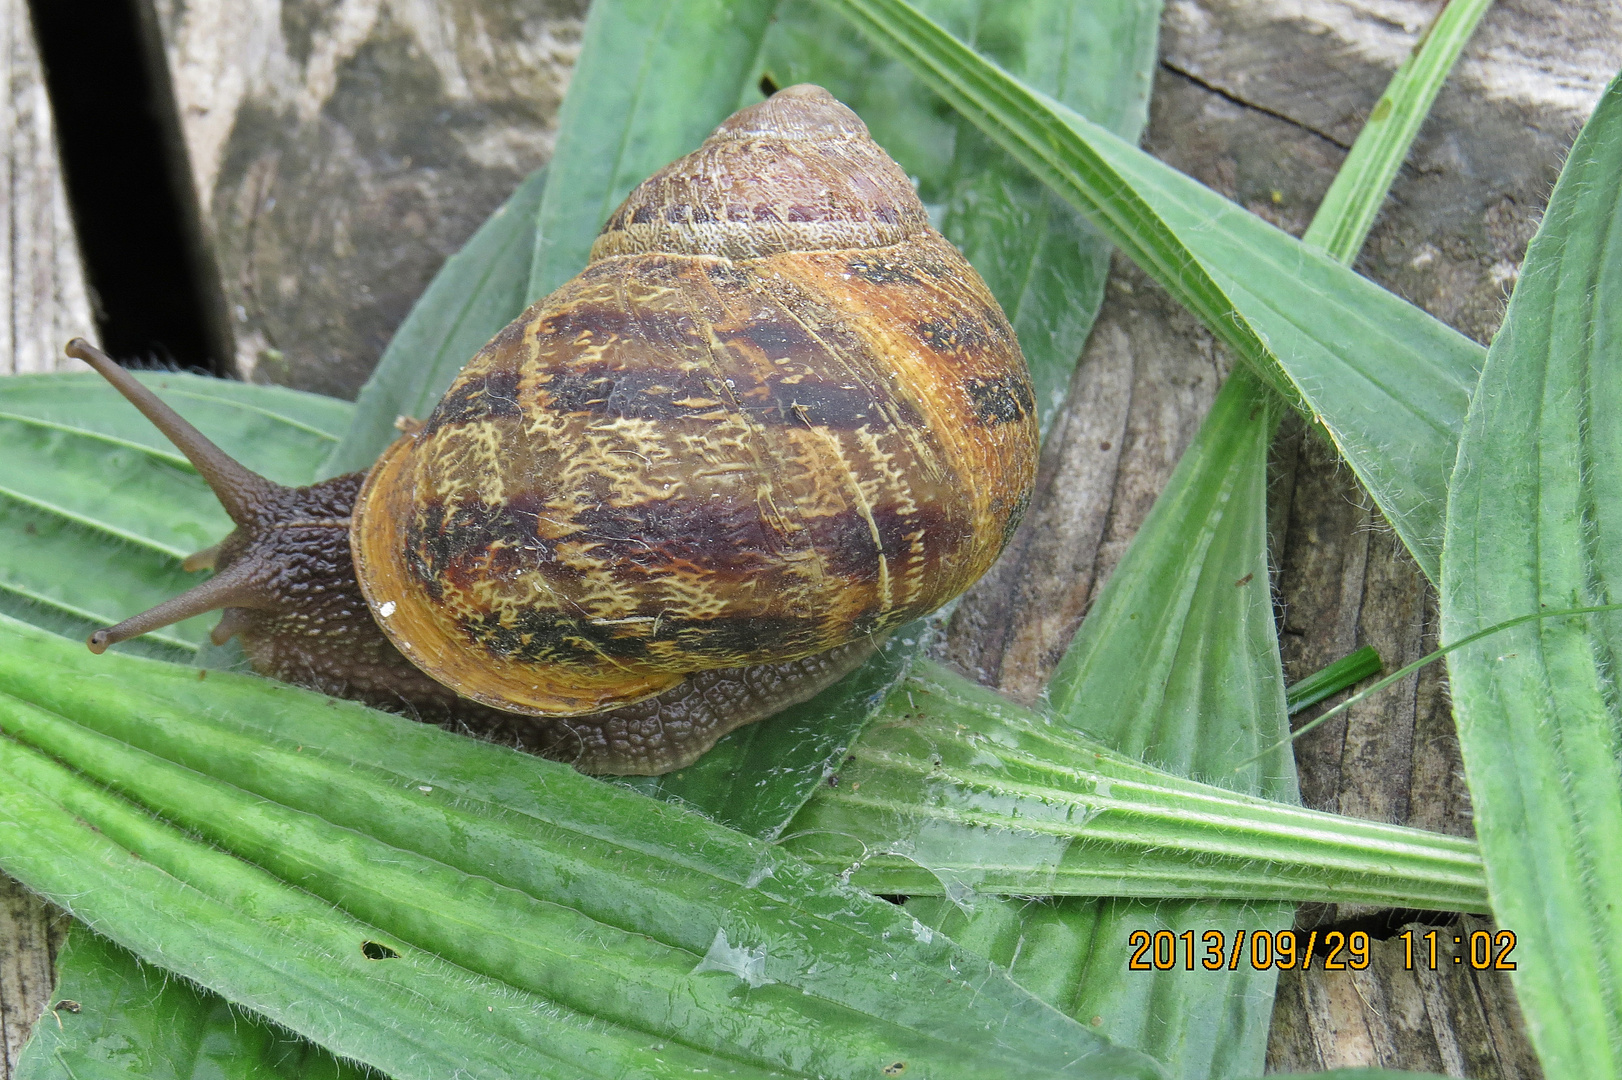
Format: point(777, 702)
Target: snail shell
point(777, 413)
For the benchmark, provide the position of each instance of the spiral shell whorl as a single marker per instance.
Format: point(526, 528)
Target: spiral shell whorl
point(797, 172)
point(721, 453)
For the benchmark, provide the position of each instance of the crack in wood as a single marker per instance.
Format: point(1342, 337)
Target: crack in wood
point(1235, 99)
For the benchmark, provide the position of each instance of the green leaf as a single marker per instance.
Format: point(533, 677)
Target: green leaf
point(1042, 261)
point(1387, 381)
point(478, 291)
point(277, 847)
point(278, 432)
point(128, 1019)
point(1177, 664)
point(653, 78)
point(1534, 522)
point(97, 509)
point(954, 790)
point(1352, 202)
point(1331, 679)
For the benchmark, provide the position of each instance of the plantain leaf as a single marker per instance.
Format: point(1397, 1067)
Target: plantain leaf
point(1388, 382)
point(1535, 521)
point(113, 1016)
point(97, 509)
point(1177, 664)
point(279, 432)
point(954, 790)
point(1177, 661)
point(478, 291)
point(653, 78)
point(349, 873)
point(127, 1019)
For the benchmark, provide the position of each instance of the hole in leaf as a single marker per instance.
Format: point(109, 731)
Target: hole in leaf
point(895, 1068)
point(373, 950)
point(768, 85)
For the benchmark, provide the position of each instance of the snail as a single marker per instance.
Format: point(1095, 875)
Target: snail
point(776, 416)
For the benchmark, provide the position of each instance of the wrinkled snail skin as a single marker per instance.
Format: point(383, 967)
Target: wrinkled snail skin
point(775, 417)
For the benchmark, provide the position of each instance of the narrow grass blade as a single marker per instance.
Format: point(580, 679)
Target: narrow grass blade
point(654, 76)
point(478, 291)
point(1330, 680)
point(1388, 382)
point(1535, 521)
point(113, 1016)
point(522, 919)
point(956, 791)
point(1352, 202)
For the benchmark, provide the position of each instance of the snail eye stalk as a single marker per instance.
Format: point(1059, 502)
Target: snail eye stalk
point(244, 494)
point(240, 490)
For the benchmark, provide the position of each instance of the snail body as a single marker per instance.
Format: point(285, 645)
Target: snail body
point(776, 416)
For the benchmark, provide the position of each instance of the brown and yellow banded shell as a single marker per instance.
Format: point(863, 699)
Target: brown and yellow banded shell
point(775, 413)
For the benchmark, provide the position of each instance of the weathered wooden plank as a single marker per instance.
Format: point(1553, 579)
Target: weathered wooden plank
point(1399, 1012)
point(31, 932)
point(43, 289)
point(341, 150)
point(1259, 99)
point(41, 281)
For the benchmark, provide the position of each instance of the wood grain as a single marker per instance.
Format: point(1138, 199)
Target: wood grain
point(31, 932)
point(41, 281)
point(43, 289)
point(1398, 1012)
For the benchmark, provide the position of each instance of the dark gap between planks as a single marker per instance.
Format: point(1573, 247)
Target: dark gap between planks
point(154, 286)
